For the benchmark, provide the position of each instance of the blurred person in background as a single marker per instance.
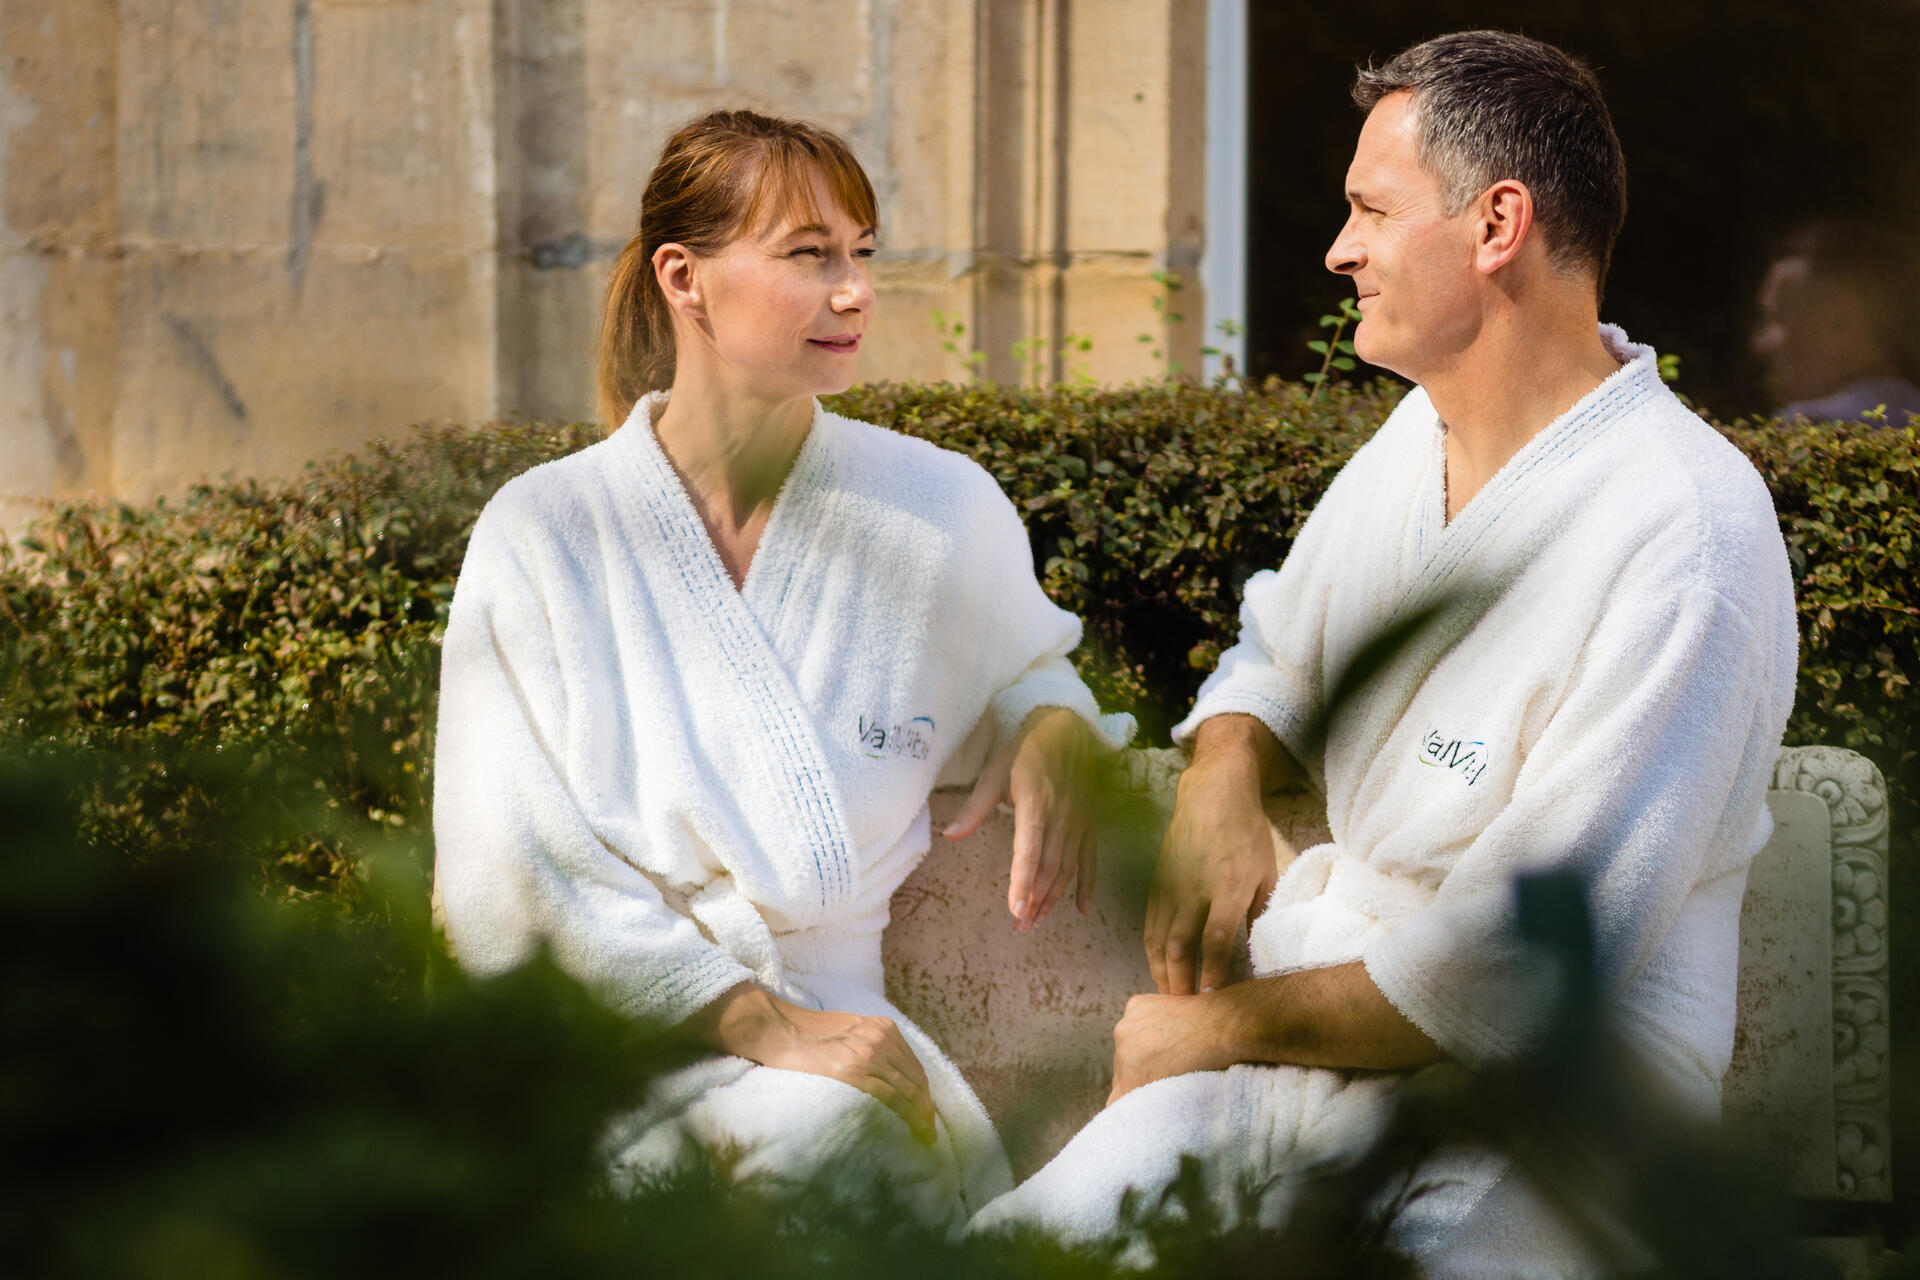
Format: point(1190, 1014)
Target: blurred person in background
point(700, 678)
point(1839, 323)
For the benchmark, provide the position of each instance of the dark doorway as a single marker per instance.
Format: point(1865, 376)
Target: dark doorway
point(1738, 122)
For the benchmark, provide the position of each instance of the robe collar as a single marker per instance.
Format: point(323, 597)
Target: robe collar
point(1592, 417)
point(792, 528)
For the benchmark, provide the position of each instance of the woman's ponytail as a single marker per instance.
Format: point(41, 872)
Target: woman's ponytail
point(636, 335)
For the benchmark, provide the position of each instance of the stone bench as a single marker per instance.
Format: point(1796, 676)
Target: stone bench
point(1029, 1017)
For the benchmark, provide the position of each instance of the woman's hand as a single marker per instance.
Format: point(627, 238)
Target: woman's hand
point(1047, 771)
point(868, 1053)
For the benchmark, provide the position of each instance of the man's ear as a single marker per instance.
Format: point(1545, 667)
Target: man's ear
point(1503, 225)
point(677, 272)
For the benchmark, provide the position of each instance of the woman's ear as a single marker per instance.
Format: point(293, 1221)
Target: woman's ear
point(1504, 222)
point(676, 270)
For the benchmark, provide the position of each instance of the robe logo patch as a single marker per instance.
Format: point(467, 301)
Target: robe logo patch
point(1463, 757)
point(914, 739)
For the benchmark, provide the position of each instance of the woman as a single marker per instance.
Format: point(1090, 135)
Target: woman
point(700, 678)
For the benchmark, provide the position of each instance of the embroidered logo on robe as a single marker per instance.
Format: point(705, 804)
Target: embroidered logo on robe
point(1463, 757)
point(914, 739)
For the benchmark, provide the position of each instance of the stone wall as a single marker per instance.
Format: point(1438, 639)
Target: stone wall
point(237, 234)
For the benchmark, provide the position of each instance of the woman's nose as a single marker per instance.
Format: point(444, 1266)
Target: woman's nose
point(853, 291)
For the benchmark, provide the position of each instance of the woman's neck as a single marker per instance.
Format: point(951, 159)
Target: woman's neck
point(732, 451)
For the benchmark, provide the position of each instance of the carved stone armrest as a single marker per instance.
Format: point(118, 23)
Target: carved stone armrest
point(1855, 796)
point(1809, 1081)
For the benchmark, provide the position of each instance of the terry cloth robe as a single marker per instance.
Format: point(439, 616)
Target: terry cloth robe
point(678, 786)
point(1606, 693)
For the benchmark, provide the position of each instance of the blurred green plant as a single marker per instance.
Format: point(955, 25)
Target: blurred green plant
point(952, 330)
point(1229, 329)
point(201, 1079)
point(1337, 354)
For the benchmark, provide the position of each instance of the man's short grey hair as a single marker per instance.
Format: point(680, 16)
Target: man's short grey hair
point(1492, 106)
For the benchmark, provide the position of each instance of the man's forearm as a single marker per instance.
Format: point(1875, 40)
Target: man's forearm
point(1241, 743)
point(1333, 1017)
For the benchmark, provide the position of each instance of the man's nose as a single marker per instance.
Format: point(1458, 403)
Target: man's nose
point(1345, 255)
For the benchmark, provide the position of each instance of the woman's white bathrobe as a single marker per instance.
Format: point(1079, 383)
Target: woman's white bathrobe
point(1605, 690)
point(678, 786)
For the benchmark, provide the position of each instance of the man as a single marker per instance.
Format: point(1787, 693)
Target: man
point(1838, 327)
point(1603, 688)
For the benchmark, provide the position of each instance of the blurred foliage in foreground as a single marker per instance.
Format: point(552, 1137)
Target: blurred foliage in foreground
point(200, 1080)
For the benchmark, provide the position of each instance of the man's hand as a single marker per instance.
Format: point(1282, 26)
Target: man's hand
point(1220, 857)
point(868, 1053)
point(1162, 1036)
point(1333, 1017)
point(1047, 770)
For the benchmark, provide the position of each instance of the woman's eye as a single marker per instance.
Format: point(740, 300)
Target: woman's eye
point(863, 253)
point(808, 248)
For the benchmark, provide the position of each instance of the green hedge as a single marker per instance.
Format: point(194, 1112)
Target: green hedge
point(308, 612)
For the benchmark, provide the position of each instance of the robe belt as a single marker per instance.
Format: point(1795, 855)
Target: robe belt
point(739, 929)
point(1326, 907)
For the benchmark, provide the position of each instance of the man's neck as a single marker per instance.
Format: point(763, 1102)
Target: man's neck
point(1523, 370)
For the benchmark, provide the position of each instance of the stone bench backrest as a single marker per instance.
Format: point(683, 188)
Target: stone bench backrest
point(1029, 1017)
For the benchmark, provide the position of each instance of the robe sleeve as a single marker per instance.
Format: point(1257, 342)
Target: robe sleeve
point(1647, 780)
point(517, 863)
point(1273, 672)
point(1030, 636)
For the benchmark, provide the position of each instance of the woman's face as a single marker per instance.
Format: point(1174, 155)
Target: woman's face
point(784, 307)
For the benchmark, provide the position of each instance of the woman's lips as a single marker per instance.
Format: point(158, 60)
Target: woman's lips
point(845, 342)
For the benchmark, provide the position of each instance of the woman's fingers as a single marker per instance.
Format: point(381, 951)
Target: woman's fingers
point(1048, 783)
point(1029, 843)
point(988, 790)
point(906, 1090)
point(1065, 864)
point(893, 1090)
point(882, 1065)
point(1051, 874)
point(1089, 864)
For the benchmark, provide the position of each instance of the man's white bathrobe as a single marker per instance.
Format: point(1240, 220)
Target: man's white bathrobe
point(678, 786)
point(1605, 692)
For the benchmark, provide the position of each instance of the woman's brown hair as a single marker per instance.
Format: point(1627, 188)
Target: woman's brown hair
point(718, 176)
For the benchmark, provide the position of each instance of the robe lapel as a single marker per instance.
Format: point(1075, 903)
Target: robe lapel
point(1475, 558)
point(1492, 535)
point(797, 819)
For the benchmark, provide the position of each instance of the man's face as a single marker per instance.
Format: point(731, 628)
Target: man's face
point(1412, 266)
